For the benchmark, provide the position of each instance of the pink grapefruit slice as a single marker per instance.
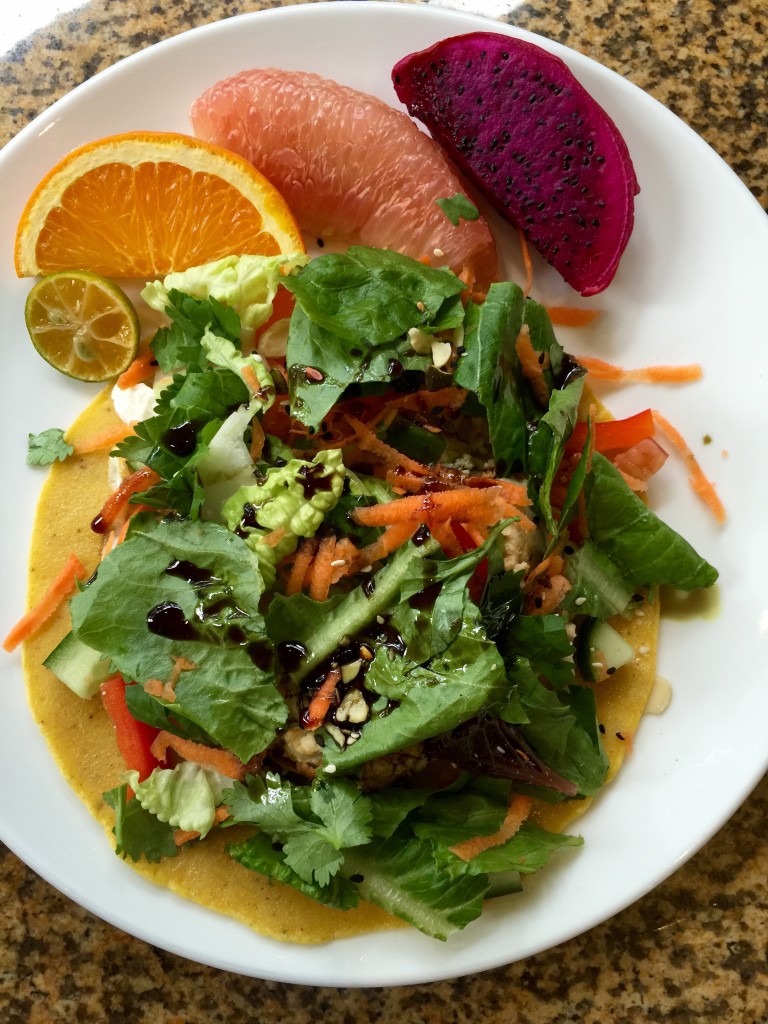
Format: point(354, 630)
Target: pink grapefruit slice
point(351, 168)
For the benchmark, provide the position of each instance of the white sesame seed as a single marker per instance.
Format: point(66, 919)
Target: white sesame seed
point(338, 561)
point(420, 306)
point(330, 769)
point(366, 568)
point(380, 619)
point(438, 252)
point(580, 600)
point(643, 649)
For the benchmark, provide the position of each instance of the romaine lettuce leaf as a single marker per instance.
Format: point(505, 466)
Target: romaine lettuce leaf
point(186, 796)
point(400, 875)
point(199, 587)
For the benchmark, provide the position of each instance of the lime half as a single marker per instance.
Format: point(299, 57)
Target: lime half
point(82, 324)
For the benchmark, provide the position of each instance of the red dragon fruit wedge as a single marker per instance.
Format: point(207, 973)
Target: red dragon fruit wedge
point(538, 146)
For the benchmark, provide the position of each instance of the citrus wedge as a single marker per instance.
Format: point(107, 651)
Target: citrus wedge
point(143, 204)
point(83, 325)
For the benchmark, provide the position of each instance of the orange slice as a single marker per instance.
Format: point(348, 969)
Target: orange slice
point(143, 204)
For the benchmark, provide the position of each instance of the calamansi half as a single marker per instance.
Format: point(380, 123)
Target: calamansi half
point(82, 324)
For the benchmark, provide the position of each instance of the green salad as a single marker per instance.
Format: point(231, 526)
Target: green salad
point(363, 559)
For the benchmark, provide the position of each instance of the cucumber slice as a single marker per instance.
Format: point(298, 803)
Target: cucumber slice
point(78, 666)
point(502, 883)
point(600, 650)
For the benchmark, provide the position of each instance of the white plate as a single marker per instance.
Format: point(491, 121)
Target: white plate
point(691, 288)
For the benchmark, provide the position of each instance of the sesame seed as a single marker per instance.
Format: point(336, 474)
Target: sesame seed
point(580, 600)
point(338, 561)
point(420, 306)
point(643, 649)
point(380, 619)
point(438, 252)
point(330, 769)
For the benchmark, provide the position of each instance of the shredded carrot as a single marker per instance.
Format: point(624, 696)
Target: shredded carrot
point(104, 440)
point(446, 538)
point(141, 369)
point(463, 504)
point(347, 553)
point(167, 690)
point(222, 761)
point(426, 259)
point(258, 437)
point(527, 263)
point(384, 452)
point(700, 483)
point(116, 537)
point(181, 836)
point(115, 506)
point(405, 483)
point(252, 382)
point(571, 316)
point(318, 706)
point(533, 364)
point(322, 570)
point(600, 370)
point(392, 538)
point(519, 809)
point(273, 538)
point(60, 588)
point(298, 574)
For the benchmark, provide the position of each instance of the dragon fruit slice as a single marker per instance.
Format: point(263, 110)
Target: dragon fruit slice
point(538, 146)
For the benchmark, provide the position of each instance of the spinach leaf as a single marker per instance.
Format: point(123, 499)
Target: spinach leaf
point(490, 369)
point(376, 295)
point(644, 548)
point(459, 683)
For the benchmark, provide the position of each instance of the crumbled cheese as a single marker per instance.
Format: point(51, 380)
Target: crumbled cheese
point(134, 403)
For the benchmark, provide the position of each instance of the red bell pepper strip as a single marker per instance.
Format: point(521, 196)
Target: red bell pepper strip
point(134, 738)
point(479, 577)
point(614, 435)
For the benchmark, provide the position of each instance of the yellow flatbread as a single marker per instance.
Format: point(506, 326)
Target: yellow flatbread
point(81, 736)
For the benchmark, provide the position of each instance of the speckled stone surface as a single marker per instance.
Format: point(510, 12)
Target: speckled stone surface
point(694, 950)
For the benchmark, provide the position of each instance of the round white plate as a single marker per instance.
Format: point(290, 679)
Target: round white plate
point(691, 288)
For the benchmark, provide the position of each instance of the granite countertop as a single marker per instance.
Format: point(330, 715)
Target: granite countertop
point(693, 950)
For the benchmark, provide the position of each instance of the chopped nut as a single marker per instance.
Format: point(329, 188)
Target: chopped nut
point(441, 353)
point(350, 670)
point(353, 708)
point(336, 734)
point(421, 343)
point(301, 746)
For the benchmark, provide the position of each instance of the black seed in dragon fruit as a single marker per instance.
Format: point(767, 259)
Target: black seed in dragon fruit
point(516, 121)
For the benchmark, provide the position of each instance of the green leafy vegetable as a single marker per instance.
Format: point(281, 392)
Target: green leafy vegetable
point(211, 629)
point(137, 832)
point(457, 208)
point(47, 447)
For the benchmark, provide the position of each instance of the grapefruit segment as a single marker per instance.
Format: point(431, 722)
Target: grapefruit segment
point(521, 127)
point(350, 167)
